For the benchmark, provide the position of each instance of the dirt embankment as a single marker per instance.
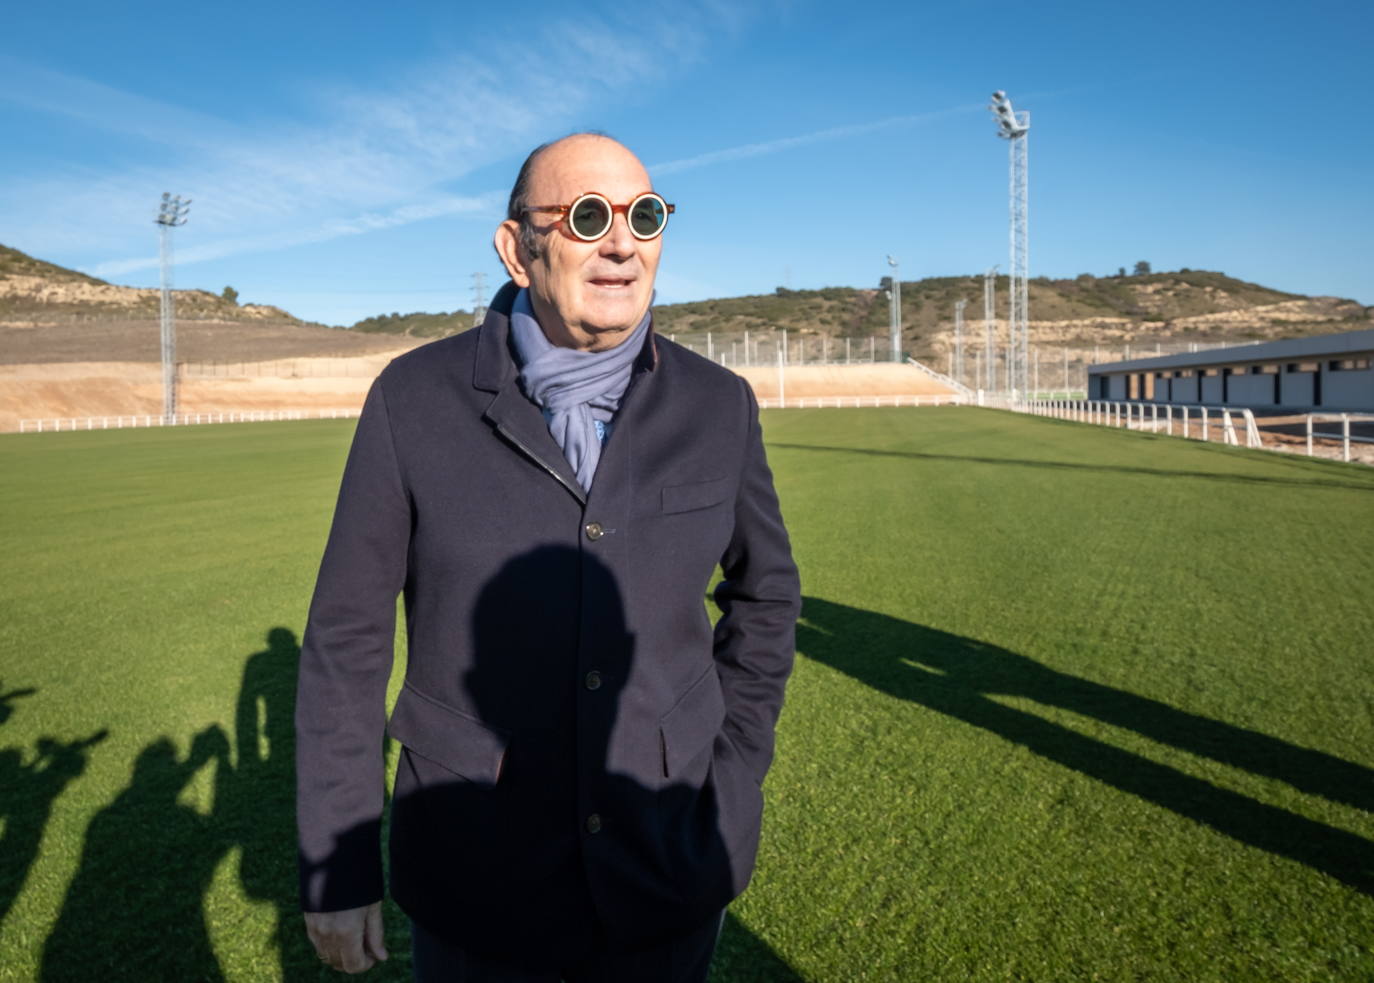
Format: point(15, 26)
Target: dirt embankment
point(96, 389)
point(842, 380)
point(85, 338)
point(69, 390)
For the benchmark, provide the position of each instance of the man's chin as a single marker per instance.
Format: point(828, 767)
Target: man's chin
point(617, 317)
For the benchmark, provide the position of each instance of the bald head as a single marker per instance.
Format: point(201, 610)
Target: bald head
point(586, 295)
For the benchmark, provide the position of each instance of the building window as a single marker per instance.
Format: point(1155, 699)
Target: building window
point(1265, 369)
point(1185, 373)
point(1211, 372)
point(1304, 366)
point(1348, 364)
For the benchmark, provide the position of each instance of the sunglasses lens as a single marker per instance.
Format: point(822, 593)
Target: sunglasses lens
point(590, 217)
point(647, 216)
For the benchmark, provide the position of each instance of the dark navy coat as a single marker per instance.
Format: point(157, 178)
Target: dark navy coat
point(582, 752)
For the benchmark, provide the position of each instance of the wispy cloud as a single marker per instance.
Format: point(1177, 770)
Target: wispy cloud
point(338, 228)
point(790, 143)
point(353, 159)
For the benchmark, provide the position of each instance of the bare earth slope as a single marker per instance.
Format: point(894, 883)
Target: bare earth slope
point(74, 346)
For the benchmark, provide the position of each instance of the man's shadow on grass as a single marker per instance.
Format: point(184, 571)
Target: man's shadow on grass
point(961, 678)
point(29, 785)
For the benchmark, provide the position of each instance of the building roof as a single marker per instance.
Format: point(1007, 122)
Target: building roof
point(1288, 348)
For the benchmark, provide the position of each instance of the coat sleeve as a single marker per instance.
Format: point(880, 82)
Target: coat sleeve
point(346, 658)
point(759, 599)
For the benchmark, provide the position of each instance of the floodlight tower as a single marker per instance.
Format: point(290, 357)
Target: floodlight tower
point(989, 330)
point(958, 372)
point(896, 319)
point(171, 213)
point(1013, 126)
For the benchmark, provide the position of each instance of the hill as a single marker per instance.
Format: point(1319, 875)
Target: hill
point(1173, 309)
point(1177, 308)
point(52, 314)
point(49, 313)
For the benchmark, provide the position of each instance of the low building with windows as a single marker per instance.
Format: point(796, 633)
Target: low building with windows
point(1327, 372)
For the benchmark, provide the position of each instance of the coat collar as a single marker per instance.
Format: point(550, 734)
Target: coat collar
point(495, 367)
point(513, 415)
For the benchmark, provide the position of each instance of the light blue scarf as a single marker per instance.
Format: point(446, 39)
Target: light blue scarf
point(579, 392)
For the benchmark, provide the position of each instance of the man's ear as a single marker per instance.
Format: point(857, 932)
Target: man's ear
point(507, 242)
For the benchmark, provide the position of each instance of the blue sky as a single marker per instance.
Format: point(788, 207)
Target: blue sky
point(347, 159)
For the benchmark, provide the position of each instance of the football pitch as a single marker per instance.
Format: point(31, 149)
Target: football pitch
point(1070, 704)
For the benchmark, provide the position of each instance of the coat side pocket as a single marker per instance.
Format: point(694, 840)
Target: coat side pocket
point(448, 737)
point(693, 723)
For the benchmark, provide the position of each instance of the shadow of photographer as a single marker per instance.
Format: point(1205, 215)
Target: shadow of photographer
point(29, 786)
point(134, 909)
point(958, 677)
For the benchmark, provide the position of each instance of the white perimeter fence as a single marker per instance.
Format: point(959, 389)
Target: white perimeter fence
point(1195, 421)
point(180, 420)
point(822, 402)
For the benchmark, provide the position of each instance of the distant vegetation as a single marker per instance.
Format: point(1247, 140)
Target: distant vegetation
point(1183, 306)
point(416, 325)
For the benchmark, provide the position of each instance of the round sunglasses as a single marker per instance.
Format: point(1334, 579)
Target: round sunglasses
point(589, 217)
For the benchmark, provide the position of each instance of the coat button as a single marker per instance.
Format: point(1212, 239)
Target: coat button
point(594, 531)
point(593, 680)
point(593, 823)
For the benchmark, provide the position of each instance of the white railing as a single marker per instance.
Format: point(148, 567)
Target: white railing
point(940, 377)
point(1148, 416)
point(1344, 436)
point(821, 402)
point(56, 424)
point(1162, 416)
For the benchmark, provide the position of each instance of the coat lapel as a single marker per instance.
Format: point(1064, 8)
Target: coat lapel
point(515, 418)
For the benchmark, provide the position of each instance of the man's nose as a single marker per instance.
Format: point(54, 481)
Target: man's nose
point(619, 242)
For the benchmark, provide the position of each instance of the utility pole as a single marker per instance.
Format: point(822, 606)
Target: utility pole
point(989, 327)
point(171, 213)
point(959, 306)
point(1013, 126)
point(896, 321)
point(479, 298)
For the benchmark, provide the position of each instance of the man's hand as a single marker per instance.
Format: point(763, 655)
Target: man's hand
point(349, 940)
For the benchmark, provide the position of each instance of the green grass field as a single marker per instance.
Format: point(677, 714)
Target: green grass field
point(1072, 704)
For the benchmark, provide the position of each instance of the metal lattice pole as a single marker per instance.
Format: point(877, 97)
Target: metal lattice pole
point(959, 306)
point(171, 213)
point(896, 320)
point(479, 298)
point(1013, 127)
point(989, 328)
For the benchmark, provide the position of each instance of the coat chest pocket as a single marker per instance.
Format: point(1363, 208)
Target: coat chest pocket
point(448, 737)
point(696, 495)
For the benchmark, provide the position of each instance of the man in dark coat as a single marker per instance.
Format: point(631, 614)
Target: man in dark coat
point(578, 793)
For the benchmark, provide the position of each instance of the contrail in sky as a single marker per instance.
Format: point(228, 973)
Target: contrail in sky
point(789, 143)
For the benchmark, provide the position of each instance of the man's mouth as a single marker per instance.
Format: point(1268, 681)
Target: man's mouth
point(611, 282)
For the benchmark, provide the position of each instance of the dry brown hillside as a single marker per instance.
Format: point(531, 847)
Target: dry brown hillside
point(52, 314)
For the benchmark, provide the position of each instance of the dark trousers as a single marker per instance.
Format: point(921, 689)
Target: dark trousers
point(685, 959)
